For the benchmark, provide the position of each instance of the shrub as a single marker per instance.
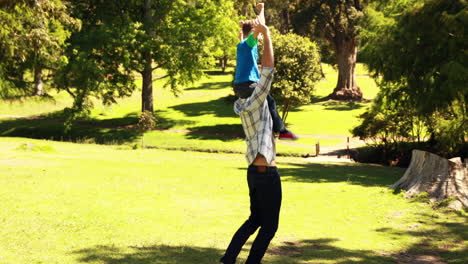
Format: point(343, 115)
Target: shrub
point(297, 69)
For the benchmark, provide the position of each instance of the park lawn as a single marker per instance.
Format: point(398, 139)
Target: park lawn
point(204, 109)
point(220, 143)
point(33, 106)
point(83, 203)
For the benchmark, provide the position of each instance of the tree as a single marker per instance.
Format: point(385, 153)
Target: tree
point(222, 46)
point(337, 22)
point(32, 42)
point(296, 70)
point(245, 8)
point(428, 64)
point(278, 14)
point(147, 35)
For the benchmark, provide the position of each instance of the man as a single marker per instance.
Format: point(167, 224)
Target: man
point(262, 175)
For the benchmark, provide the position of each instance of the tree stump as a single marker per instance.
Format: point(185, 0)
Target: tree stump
point(439, 177)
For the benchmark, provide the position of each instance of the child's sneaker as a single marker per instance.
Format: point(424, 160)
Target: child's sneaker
point(287, 135)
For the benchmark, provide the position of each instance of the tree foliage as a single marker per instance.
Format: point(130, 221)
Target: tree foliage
point(245, 8)
point(426, 65)
point(296, 70)
point(338, 23)
point(32, 40)
point(123, 37)
point(225, 36)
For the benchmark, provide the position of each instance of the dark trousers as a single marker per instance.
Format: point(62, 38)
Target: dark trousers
point(245, 89)
point(265, 202)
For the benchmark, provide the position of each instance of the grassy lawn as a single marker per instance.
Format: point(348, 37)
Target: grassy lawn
point(83, 203)
point(204, 109)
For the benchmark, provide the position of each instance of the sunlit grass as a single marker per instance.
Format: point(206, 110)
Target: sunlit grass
point(203, 111)
point(104, 204)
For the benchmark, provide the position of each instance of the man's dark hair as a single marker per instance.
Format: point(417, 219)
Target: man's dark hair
point(246, 28)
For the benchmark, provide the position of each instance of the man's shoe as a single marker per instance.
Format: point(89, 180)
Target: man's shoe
point(287, 135)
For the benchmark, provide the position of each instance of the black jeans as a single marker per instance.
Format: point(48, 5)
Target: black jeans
point(245, 89)
point(265, 203)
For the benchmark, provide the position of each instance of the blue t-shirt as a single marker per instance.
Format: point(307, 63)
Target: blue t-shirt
point(246, 61)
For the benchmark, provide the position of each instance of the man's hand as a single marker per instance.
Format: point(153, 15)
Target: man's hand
point(260, 27)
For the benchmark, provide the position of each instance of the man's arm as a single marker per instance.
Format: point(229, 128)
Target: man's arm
point(268, 58)
point(260, 19)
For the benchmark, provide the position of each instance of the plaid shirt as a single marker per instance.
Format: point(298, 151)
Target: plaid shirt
point(256, 119)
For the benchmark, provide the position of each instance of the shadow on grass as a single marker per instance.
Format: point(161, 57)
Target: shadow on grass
point(444, 239)
point(221, 107)
point(342, 106)
point(147, 255)
point(225, 132)
point(321, 249)
point(215, 73)
point(210, 86)
point(365, 175)
point(109, 131)
point(163, 122)
point(318, 99)
point(288, 253)
point(23, 98)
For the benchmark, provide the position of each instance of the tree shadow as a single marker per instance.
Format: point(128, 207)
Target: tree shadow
point(226, 132)
point(322, 249)
point(445, 239)
point(161, 254)
point(210, 86)
point(23, 98)
point(356, 174)
point(220, 107)
point(108, 131)
point(318, 99)
point(162, 122)
point(215, 73)
point(342, 106)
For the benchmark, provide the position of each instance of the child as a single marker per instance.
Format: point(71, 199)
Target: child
point(248, 75)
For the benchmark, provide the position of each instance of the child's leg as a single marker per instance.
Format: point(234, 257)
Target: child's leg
point(278, 124)
point(244, 89)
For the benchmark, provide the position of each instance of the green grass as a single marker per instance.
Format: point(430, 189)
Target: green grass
point(84, 203)
point(33, 106)
point(204, 109)
point(104, 204)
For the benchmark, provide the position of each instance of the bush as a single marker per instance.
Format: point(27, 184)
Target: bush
point(297, 69)
point(147, 121)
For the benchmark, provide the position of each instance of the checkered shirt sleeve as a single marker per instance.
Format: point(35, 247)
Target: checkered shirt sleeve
point(256, 119)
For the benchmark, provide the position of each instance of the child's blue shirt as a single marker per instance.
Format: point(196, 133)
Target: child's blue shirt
point(246, 61)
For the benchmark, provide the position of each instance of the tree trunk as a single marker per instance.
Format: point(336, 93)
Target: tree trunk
point(321, 72)
point(286, 21)
point(439, 177)
point(223, 63)
point(147, 87)
point(38, 83)
point(346, 87)
point(286, 107)
point(147, 74)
